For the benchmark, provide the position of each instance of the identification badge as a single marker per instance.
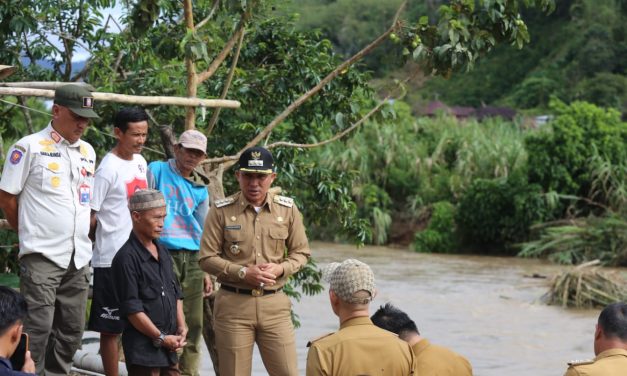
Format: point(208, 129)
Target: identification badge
point(84, 194)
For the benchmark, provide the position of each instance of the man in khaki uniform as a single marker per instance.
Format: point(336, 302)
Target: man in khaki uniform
point(359, 347)
point(244, 244)
point(610, 345)
point(431, 360)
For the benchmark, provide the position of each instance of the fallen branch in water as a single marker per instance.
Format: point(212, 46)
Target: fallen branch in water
point(586, 286)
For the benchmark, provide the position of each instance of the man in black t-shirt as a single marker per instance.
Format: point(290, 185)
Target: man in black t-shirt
point(149, 294)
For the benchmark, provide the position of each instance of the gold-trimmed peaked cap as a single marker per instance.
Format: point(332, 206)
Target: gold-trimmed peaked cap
point(77, 99)
point(256, 159)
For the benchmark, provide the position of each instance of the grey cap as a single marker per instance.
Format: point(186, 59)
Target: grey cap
point(146, 199)
point(193, 139)
point(349, 277)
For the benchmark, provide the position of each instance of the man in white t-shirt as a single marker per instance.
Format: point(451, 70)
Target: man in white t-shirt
point(121, 173)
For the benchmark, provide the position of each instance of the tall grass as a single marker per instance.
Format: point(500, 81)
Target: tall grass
point(420, 161)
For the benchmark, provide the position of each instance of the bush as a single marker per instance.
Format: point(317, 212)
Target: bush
point(558, 156)
point(8, 251)
point(440, 235)
point(496, 213)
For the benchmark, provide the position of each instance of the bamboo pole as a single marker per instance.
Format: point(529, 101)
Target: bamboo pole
point(46, 85)
point(132, 99)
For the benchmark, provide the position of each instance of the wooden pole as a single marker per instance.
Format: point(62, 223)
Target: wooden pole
point(192, 79)
point(47, 85)
point(131, 99)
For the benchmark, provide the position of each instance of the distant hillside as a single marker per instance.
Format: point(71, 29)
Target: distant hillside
point(77, 66)
point(577, 52)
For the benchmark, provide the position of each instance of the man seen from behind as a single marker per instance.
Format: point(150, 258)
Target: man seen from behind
point(610, 345)
point(431, 360)
point(359, 347)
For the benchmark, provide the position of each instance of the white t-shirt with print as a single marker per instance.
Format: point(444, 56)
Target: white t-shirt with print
point(116, 181)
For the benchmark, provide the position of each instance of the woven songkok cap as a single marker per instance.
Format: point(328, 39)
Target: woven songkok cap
point(349, 277)
point(146, 199)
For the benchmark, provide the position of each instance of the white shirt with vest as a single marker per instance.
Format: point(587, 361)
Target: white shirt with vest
point(53, 180)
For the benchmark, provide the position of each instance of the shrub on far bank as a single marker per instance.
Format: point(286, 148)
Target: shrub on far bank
point(559, 155)
point(495, 214)
point(440, 235)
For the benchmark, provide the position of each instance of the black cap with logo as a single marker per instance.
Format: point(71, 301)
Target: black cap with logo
point(76, 98)
point(257, 160)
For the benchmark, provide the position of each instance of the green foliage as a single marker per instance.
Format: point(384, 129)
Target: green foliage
point(499, 212)
point(424, 161)
point(590, 238)
point(440, 235)
point(603, 238)
point(559, 155)
point(308, 279)
point(535, 91)
point(604, 89)
point(582, 40)
point(8, 252)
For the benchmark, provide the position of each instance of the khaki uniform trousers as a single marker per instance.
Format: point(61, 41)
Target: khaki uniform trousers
point(241, 320)
point(57, 300)
point(191, 279)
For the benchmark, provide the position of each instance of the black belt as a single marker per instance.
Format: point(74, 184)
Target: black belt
point(253, 292)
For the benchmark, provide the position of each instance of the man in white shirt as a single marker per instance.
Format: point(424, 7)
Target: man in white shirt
point(121, 173)
point(45, 191)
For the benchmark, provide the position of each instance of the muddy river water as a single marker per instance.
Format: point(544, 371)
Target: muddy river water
point(485, 308)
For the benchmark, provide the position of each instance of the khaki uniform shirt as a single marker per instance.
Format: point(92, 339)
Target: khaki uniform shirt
point(360, 348)
point(235, 235)
point(54, 181)
point(611, 362)
point(433, 360)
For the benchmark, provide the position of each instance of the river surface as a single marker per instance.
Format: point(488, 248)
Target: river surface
point(485, 308)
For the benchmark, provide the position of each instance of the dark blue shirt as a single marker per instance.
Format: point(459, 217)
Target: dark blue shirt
point(6, 369)
point(145, 284)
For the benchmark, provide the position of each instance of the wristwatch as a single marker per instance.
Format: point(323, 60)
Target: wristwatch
point(158, 342)
point(242, 272)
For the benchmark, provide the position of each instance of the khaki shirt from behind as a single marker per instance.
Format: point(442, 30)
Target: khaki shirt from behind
point(235, 235)
point(611, 362)
point(434, 360)
point(360, 348)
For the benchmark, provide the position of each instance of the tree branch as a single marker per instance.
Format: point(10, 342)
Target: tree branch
point(192, 77)
point(230, 160)
point(335, 137)
point(210, 16)
point(27, 117)
point(168, 140)
point(227, 84)
point(292, 107)
point(27, 49)
point(215, 64)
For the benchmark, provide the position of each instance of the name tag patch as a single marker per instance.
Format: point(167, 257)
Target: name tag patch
point(233, 227)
